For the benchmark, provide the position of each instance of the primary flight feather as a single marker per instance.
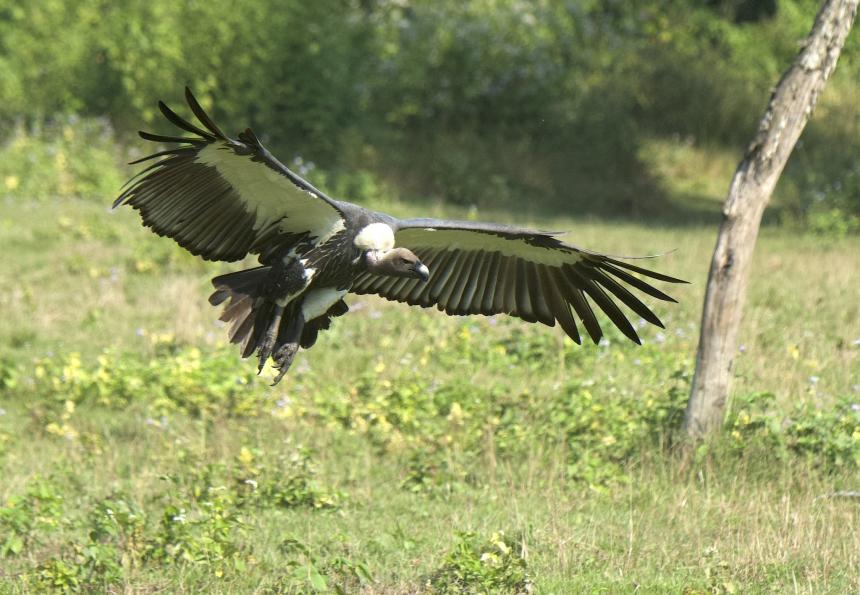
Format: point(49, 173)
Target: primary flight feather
point(223, 198)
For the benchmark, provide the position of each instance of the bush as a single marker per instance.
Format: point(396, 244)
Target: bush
point(41, 507)
point(60, 158)
point(476, 565)
point(196, 521)
point(828, 439)
point(179, 380)
point(288, 483)
point(308, 572)
point(834, 209)
point(84, 568)
point(204, 534)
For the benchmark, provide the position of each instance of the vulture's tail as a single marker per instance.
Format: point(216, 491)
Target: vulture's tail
point(244, 290)
point(249, 314)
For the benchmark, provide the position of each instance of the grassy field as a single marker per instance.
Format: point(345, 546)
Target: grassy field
point(408, 451)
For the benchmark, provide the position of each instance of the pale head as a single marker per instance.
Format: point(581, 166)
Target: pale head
point(397, 262)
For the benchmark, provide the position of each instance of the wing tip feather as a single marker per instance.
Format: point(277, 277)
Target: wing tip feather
point(201, 114)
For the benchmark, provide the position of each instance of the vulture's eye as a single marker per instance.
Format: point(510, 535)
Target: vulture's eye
point(404, 260)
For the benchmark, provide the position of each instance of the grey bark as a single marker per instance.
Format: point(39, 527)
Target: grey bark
point(790, 106)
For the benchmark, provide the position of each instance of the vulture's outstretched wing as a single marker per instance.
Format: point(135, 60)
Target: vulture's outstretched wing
point(222, 198)
point(480, 268)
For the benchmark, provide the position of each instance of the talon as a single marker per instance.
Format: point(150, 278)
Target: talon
point(284, 357)
point(268, 343)
point(278, 377)
point(264, 352)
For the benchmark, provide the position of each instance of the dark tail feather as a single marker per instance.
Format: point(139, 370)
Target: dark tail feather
point(247, 282)
point(243, 288)
point(261, 318)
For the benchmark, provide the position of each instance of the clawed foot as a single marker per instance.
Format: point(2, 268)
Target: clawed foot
point(284, 359)
point(264, 351)
point(268, 343)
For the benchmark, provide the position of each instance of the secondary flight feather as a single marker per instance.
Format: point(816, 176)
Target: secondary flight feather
point(223, 198)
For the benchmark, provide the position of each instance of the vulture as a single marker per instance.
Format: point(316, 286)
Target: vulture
point(223, 198)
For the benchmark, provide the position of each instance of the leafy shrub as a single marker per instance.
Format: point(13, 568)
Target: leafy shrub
point(362, 186)
point(434, 470)
point(289, 483)
point(441, 426)
point(477, 565)
point(41, 507)
point(58, 575)
point(204, 534)
point(8, 374)
point(183, 379)
point(827, 438)
point(86, 568)
point(197, 521)
point(120, 523)
point(823, 198)
point(202, 522)
point(200, 532)
point(307, 572)
point(61, 158)
point(833, 222)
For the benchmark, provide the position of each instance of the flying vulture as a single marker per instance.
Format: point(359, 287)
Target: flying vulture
point(223, 198)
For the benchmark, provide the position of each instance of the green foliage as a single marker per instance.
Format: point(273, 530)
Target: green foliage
point(833, 222)
point(39, 509)
point(477, 103)
point(118, 522)
point(179, 380)
point(8, 374)
point(94, 57)
point(362, 185)
point(288, 483)
point(204, 534)
point(443, 427)
point(833, 210)
point(307, 572)
point(62, 158)
point(828, 439)
point(478, 565)
point(58, 575)
point(89, 567)
point(196, 522)
point(440, 428)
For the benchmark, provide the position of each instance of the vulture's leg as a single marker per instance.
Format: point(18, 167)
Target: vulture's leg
point(268, 342)
point(287, 351)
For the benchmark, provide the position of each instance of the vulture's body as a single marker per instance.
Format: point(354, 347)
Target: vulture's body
point(223, 198)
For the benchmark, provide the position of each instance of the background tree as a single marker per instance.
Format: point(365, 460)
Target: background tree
point(481, 103)
point(790, 106)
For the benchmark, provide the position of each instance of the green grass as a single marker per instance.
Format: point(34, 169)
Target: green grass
point(398, 433)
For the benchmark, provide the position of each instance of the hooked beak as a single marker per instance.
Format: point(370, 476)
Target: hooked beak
point(422, 271)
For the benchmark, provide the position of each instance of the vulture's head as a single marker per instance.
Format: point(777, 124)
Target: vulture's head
point(397, 262)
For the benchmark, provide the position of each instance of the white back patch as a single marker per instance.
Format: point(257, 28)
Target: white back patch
point(376, 236)
point(317, 301)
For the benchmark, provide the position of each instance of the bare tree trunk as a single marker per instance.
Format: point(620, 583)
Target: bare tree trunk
point(787, 113)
